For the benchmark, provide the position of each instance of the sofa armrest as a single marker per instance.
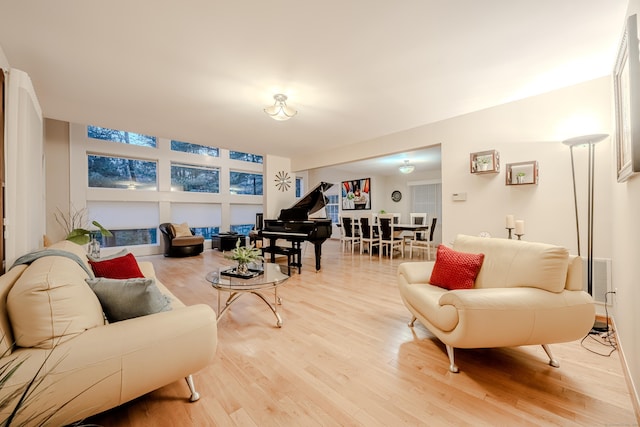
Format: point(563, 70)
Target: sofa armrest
point(416, 272)
point(574, 274)
point(496, 299)
point(146, 267)
point(150, 351)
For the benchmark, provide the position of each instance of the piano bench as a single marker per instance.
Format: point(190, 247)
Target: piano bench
point(293, 255)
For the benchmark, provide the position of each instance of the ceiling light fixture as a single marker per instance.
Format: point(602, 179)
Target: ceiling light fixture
point(279, 110)
point(406, 168)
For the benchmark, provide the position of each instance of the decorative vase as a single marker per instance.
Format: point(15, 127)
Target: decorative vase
point(94, 248)
point(243, 268)
point(520, 179)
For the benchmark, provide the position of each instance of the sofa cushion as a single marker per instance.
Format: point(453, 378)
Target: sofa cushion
point(181, 230)
point(51, 303)
point(455, 270)
point(516, 263)
point(129, 298)
point(124, 267)
point(187, 241)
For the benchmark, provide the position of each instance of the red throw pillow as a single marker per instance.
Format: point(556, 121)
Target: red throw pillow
point(455, 270)
point(124, 267)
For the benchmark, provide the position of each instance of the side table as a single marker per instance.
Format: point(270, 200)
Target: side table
point(227, 241)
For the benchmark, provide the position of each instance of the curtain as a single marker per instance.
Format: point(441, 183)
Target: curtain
point(25, 183)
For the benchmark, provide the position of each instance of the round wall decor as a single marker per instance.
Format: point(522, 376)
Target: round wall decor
point(283, 181)
point(396, 196)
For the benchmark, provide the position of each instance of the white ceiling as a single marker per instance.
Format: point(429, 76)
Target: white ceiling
point(202, 71)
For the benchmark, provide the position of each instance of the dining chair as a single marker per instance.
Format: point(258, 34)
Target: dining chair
point(388, 237)
point(425, 245)
point(350, 233)
point(369, 234)
point(415, 219)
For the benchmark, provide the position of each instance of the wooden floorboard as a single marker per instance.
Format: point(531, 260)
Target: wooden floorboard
point(346, 357)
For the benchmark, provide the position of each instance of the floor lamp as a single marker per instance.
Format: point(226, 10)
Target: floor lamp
point(590, 141)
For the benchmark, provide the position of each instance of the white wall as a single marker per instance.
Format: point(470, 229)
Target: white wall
point(625, 233)
point(274, 198)
point(56, 156)
point(530, 129)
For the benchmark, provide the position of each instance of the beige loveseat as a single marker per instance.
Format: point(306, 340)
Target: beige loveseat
point(525, 293)
point(88, 366)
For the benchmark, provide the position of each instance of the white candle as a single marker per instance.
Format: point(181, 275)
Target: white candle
point(520, 226)
point(510, 221)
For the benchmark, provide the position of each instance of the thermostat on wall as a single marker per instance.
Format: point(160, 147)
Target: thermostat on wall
point(459, 197)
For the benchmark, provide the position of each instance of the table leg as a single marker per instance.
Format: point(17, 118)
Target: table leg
point(272, 307)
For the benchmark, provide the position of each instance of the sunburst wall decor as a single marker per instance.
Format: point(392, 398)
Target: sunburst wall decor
point(283, 181)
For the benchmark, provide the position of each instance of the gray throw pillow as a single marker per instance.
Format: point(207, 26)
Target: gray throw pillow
point(123, 299)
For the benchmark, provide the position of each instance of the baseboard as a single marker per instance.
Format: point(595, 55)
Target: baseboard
point(635, 399)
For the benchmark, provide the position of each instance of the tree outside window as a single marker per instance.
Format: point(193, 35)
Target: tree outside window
point(121, 136)
point(119, 172)
point(245, 183)
point(245, 157)
point(198, 179)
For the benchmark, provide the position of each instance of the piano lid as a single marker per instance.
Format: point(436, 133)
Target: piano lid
point(315, 199)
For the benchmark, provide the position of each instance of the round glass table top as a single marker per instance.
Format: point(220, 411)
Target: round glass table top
point(265, 275)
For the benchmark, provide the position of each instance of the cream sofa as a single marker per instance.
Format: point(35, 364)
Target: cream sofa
point(89, 366)
point(525, 293)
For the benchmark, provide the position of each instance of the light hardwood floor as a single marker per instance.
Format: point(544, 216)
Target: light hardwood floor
point(346, 357)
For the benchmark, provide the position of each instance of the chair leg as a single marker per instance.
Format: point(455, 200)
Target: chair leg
point(552, 361)
point(194, 394)
point(452, 364)
point(413, 321)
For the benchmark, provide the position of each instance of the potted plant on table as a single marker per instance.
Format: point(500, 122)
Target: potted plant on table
point(244, 255)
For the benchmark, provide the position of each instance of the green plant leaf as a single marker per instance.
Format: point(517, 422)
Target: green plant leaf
point(79, 236)
point(103, 230)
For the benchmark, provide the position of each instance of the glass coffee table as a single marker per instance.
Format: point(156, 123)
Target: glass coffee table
point(270, 278)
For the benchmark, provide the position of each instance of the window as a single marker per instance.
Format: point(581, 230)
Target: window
point(298, 187)
point(131, 223)
point(245, 183)
point(206, 232)
point(121, 136)
point(187, 147)
point(131, 237)
point(428, 198)
point(245, 157)
point(243, 229)
point(333, 207)
point(118, 172)
point(243, 217)
point(199, 179)
point(204, 218)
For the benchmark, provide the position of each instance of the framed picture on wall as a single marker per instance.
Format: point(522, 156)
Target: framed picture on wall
point(626, 79)
point(356, 194)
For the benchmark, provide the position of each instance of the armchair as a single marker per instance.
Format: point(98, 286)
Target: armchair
point(182, 243)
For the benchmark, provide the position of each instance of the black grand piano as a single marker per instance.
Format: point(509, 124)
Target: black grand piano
point(295, 226)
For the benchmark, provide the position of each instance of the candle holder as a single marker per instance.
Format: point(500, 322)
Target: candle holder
point(519, 236)
point(509, 229)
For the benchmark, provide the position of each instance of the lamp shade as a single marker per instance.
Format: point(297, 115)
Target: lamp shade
point(279, 110)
